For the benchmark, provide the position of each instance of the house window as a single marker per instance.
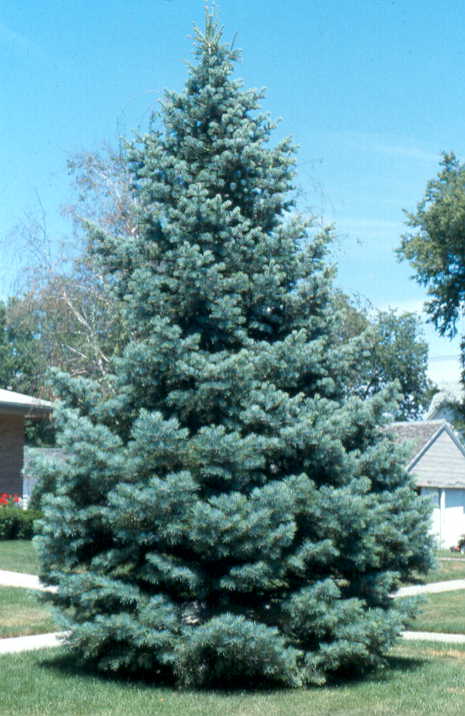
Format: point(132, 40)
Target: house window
point(455, 498)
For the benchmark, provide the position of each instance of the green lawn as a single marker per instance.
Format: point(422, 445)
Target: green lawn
point(21, 614)
point(18, 556)
point(446, 569)
point(421, 678)
point(442, 612)
point(446, 553)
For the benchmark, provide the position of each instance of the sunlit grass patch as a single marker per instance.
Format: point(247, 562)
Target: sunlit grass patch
point(18, 556)
point(443, 612)
point(21, 614)
point(420, 678)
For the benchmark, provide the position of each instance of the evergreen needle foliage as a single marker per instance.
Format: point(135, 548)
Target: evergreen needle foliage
point(227, 513)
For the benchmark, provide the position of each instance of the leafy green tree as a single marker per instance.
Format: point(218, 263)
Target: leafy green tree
point(75, 321)
point(435, 244)
point(22, 367)
point(394, 351)
point(226, 515)
point(399, 353)
point(20, 355)
point(61, 294)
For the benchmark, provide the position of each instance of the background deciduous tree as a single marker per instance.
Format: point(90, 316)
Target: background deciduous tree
point(435, 244)
point(435, 247)
point(61, 294)
point(394, 350)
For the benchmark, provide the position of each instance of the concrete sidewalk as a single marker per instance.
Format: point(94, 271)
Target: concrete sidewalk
point(433, 588)
point(17, 644)
point(46, 641)
point(26, 581)
point(434, 636)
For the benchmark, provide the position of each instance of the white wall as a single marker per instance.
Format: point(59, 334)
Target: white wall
point(448, 519)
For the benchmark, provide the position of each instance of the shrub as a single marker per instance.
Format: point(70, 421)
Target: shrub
point(8, 522)
point(16, 523)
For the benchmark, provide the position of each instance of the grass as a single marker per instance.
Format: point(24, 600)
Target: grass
point(446, 553)
point(447, 568)
point(421, 678)
point(21, 613)
point(444, 612)
point(18, 556)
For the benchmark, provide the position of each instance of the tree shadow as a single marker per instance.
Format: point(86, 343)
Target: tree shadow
point(66, 665)
point(393, 665)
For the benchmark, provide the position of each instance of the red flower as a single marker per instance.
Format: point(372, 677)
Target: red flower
point(6, 499)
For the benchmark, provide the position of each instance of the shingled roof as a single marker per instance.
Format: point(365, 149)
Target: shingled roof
point(415, 435)
point(435, 454)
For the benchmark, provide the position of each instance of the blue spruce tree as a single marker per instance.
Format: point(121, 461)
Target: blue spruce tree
point(227, 513)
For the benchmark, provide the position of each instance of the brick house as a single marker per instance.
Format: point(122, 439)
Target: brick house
point(14, 409)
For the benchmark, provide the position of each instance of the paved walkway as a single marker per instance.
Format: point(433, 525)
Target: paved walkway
point(434, 636)
point(30, 643)
point(47, 641)
point(18, 579)
point(451, 586)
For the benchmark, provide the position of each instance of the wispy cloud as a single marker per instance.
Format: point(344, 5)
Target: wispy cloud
point(382, 144)
point(409, 152)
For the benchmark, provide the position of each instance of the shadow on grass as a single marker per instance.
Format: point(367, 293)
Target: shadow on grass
point(65, 664)
point(404, 663)
point(393, 666)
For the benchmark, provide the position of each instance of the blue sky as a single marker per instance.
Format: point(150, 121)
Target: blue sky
point(372, 91)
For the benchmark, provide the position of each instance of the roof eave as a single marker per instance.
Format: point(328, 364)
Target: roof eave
point(29, 411)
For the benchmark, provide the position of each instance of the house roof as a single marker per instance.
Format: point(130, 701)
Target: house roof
point(436, 455)
point(416, 435)
point(11, 402)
